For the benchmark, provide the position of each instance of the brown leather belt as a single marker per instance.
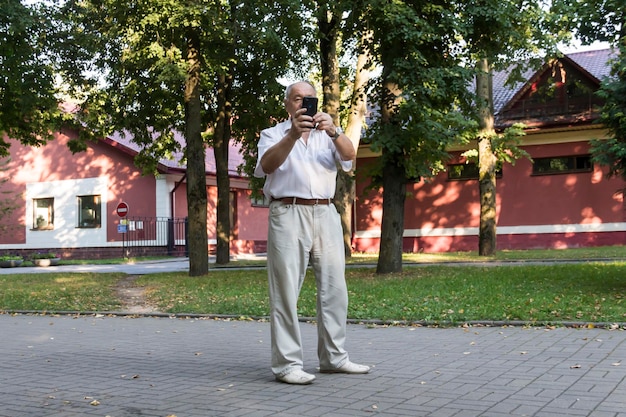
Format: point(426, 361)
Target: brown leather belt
point(304, 201)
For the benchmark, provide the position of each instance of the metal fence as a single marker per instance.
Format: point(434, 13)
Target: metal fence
point(155, 236)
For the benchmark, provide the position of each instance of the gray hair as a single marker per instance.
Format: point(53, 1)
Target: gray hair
point(288, 88)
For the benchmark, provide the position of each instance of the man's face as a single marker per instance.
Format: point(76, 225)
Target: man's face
point(294, 101)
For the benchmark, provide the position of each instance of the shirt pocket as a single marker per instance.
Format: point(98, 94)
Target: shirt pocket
point(326, 158)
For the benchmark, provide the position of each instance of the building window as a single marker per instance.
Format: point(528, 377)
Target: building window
point(43, 213)
point(562, 165)
point(89, 212)
point(469, 171)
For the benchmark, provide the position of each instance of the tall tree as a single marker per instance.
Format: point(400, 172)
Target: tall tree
point(334, 19)
point(167, 66)
point(487, 160)
point(254, 56)
point(150, 56)
point(29, 110)
point(418, 93)
point(498, 34)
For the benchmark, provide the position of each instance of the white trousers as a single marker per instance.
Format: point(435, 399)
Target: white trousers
point(299, 234)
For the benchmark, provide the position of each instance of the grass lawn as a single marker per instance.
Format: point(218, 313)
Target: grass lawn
point(537, 293)
point(59, 292)
point(591, 292)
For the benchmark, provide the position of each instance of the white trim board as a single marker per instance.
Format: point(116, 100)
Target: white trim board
point(503, 230)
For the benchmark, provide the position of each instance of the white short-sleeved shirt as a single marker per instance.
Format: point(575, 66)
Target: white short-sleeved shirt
point(310, 169)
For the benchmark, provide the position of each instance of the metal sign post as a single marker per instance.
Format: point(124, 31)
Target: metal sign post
point(122, 211)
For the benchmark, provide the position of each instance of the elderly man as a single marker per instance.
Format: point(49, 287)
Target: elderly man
point(299, 159)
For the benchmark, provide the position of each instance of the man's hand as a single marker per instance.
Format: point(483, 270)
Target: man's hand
point(300, 123)
point(323, 121)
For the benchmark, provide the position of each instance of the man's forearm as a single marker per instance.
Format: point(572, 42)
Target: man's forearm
point(345, 148)
point(277, 154)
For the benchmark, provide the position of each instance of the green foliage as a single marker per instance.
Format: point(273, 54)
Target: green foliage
point(415, 44)
point(611, 152)
point(203, 69)
point(141, 56)
point(508, 32)
point(274, 40)
point(505, 146)
point(44, 255)
point(11, 258)
point(28, 104)
point(593, 20)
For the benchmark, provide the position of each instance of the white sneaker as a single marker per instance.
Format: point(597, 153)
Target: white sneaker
point(298, 377)
point(348, 368)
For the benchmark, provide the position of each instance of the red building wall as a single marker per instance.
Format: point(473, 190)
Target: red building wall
point(55, 162)
point(543, 211)
point(252, 225)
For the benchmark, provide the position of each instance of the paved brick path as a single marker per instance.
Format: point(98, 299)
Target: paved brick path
point(121, 367)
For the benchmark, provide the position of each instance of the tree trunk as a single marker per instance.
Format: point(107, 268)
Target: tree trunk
point(394, 192)
point(344, 198)
point(392, 228)
point(220, 149)
point(345, 192)
point(486, 161)
point(328, 24)
point(346, 187)
point(196, 176)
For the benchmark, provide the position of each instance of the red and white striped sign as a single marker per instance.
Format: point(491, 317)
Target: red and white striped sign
point(122, 209)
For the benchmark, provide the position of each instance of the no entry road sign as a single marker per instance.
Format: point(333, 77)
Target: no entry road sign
point(122, 209)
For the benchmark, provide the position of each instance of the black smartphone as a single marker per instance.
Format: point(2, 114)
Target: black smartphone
point(310, 104)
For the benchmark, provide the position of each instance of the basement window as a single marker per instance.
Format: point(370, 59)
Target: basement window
point(469, 171)
point(562, 165)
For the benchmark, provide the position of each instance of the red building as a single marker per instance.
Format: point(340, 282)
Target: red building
point(560, 199)
point(67, 202)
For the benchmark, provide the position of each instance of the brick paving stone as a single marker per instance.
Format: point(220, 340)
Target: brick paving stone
point(57, 366)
